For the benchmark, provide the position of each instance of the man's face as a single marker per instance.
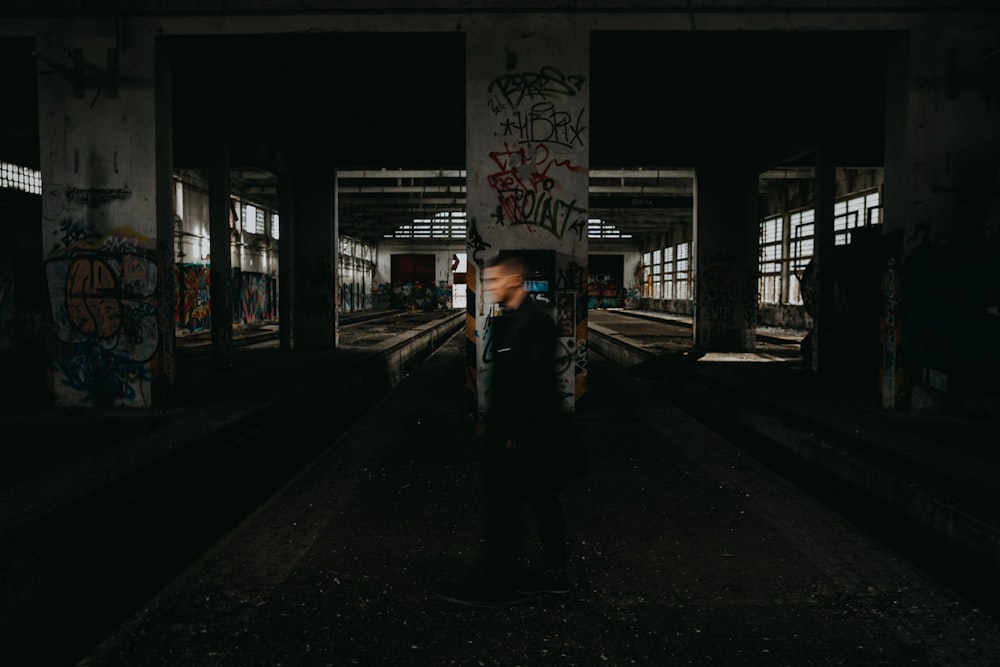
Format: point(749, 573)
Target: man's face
point(499, 285)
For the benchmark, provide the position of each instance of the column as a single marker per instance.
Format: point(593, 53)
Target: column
point(824, 325)
point(527, 105)
point(221, 225)
point(107, 232)
point(314, 255)
point(942, 138)
point(286, 263)
point(725, 251)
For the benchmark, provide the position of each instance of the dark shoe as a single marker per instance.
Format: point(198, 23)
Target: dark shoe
point(542, 581)
point(480, 594)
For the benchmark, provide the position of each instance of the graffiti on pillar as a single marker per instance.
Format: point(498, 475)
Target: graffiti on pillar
point(719, 311)
point(102, 293)
point(529, 181)
point(572, 278)
point(536, 170)
point(717, 293)
point(543, 122)
point(567, 366)
point(527, 187)
point(890, 371)
point(475, 243)
point(546, 83)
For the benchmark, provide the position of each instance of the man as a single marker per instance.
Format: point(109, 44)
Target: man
point(521, 462)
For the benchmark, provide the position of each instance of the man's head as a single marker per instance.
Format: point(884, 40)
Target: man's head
point(503, 280)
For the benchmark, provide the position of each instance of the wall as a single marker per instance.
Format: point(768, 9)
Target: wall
point(444, 250)
point(628, 291)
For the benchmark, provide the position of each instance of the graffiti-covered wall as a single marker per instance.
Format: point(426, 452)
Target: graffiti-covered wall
point(527, 106)
point(393, 291)
point(253, 256)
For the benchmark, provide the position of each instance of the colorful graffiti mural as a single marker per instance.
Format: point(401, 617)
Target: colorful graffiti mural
point(192, 310)
point(102, 292)
point(257, 297)
point(256, 294)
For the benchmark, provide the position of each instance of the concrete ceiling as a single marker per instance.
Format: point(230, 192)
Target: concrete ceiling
point(387, 110)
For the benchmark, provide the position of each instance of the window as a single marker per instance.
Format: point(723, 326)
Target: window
point(783, 261)
point(668, 273)
point(274, 227)
point(647, 274)
point(657, 274)
point(250, 218)
point(683, 274)
point(444, 225)
point(801, 227)
point(14, 177)
point(770, 259)
point(601, 229)
point(859, 211)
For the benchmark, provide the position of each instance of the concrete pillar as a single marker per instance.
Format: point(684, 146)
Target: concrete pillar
point(286, 264)
point(725, 253)
point(824, 325)
point(221, 227)
point(107, 231)
point(314, 256)
point(527, 100)
point(942, 137)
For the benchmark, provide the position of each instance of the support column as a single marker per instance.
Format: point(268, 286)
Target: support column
point(107, 233)
point(314, 256)
point(527, 105)
point(942, 138)
point(220, 223)
point(824, 319)
point(286, 262)
point(725, 252)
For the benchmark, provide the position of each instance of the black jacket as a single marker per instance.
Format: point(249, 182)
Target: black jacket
point(524, 400)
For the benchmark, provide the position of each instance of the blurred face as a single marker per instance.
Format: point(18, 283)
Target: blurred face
point(499, 285)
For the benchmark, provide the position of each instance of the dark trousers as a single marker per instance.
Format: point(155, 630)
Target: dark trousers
point(506, 492)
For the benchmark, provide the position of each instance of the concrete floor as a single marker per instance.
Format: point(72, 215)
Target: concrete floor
point(684, 550)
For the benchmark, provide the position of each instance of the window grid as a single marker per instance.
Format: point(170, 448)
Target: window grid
point(445, 225)
point(770, 259)
point(669, 284)
point(250, 218)
point(15, 177)
point(683, 275)
point(666, 272)
point(850, 213)
point(647, 275)
point(658, 274)
point(601, 229)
